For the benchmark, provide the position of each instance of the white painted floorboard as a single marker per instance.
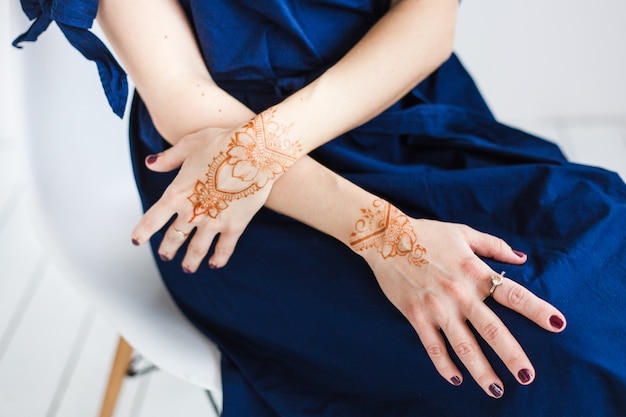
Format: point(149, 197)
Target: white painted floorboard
point(55, 351)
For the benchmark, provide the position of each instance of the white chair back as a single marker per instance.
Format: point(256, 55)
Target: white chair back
point(85, 205)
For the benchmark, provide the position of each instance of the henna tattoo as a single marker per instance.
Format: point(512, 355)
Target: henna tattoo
point(257, 153)
point(389, 231)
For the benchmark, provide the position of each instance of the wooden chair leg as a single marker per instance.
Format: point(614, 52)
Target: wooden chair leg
point(118, 372)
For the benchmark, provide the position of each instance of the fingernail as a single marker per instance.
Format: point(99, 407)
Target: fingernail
point(496, 390)
point(164, 258)
point(525, 376)
point(456, 381)
point(151, 159)
point(519, 253)
point(187, 270)
point(556, 322)
point(212, 266)
point(135, 242)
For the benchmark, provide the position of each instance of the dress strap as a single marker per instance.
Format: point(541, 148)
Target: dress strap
point(75, 18)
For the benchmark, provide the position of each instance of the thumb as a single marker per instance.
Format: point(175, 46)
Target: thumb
point(489, 246)
point(167, 160)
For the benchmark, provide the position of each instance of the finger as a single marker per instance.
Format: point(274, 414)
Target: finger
point(468, 351)
point(167, 160)
point(224, 248)
point(197, 249)
point(151, 222)
point(496, 334)
point(489, 246)
point(435, 346)
point(514, 296)
point(173, 239)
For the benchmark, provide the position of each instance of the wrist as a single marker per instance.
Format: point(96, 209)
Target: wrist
point(262, 150)
point(382, 231)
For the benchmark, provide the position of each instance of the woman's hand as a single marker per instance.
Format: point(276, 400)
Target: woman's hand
point(432, 273)
point(225, 178)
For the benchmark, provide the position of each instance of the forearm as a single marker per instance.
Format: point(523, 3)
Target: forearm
point(400, 50)
point(182, 98)
point(163, 59)
point(320, 198)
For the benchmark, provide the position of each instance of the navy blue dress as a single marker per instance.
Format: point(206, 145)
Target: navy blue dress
point(313, 334)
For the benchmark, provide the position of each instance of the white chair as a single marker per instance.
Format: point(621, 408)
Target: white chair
point(85, 205)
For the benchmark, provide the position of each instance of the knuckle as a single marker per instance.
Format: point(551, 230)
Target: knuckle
point(495, 246)
point(491, 331)
point(435, 350)
point(454, 289)
point(465, 229)
point(147, 223)
point(498, 245)
point(544, 310)
point(174, 192)
point(465, 349)
point(432, 303)
point(415, 314)
point(196, 251)
point(518, 360)
point(473, 268)
point(484, 378)
point(223, 251)
point(517, 296)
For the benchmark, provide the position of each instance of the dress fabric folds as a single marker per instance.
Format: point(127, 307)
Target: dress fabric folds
point(302, 324)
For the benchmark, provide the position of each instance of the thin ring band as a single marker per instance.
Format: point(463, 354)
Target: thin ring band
point(180, 233)
point(496, 281)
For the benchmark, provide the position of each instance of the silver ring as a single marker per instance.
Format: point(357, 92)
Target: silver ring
point(182, 235)
point(496, 281)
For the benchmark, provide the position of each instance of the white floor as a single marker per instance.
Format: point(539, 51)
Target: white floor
point(55, 351)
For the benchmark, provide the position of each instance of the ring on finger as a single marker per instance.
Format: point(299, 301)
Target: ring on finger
point(180, 233)
point(496, 281)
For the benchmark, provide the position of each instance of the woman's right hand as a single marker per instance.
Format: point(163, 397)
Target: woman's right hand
point(225, 177)
point(431, 272)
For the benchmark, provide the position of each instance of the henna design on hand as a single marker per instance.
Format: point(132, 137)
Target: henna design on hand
point(389, 231)
point(258, 152)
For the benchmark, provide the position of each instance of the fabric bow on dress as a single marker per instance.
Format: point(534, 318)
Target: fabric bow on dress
point(75, 19)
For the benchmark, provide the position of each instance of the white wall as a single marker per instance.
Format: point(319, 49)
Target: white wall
point(531, 58)
point(546, 58)
point(10, 83)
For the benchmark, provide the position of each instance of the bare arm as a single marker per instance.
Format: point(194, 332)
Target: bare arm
point(405, 46)
point(430, 271)
point(163, 59)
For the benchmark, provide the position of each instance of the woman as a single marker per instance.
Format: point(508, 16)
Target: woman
point(403, 151)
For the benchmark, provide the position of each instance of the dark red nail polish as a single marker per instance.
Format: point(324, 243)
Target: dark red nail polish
point(164, 258)
point(456, 381)
point(496, 390)
point(212, 266)
point(525, 376)
point(187, 270)
point(518, 253)
point(135, 242)
point(556, 322)
point(151, 159)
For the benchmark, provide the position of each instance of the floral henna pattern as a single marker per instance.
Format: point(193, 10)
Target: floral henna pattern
point(389, 231)
point(257, 153)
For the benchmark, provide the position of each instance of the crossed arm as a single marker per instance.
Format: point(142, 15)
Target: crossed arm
point(233, 161)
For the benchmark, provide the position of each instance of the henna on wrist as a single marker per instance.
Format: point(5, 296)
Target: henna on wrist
point(258, 152)
point(389, 231)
